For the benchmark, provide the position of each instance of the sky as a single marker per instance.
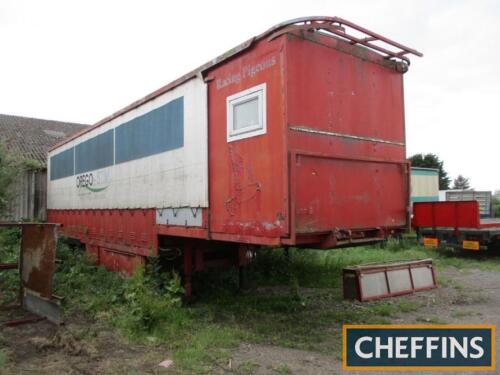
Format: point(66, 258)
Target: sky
point(80, 61)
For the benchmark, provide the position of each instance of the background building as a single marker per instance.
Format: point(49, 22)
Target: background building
point(424, 184)
point(29, 140)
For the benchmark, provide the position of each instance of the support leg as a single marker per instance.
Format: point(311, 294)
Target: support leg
point(244, 258)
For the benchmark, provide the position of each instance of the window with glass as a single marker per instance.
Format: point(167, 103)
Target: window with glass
point(246, 113)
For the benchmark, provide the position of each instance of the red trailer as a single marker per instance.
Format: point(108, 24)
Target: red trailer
point(294, 138)
point(455, 224)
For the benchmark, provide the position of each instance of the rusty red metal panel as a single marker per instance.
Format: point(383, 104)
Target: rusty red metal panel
point(339, 92)
point(120, 238)
point(178, 231)
point(117, 239)
point(119, 262)
point(131, 227)
point(36, 265)
point(461, 214)
point(248, 185)
point(348, 194)
point(346, 137)
point(38, 252)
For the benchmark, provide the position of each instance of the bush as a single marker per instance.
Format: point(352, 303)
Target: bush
point(147, 305)
point(9, 253)
point(9, 170)
point(149, 302)
point(496, 206)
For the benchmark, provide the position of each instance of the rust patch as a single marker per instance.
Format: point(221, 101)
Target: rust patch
point(241, 192)
point(38, 251)
point(36, 266)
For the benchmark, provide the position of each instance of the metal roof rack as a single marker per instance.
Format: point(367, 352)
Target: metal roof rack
point(344, 29)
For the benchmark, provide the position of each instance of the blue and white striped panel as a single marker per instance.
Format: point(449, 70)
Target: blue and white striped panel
point(155, 132)
point(94, 153)
point(62, 164)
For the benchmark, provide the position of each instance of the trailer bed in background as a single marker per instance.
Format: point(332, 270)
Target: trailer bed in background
point(488, 223)
point(457, 224)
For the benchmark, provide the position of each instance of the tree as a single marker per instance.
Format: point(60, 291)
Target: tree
point(461, 183)
point(432, 161)
point(496, 205)
point(9, 168)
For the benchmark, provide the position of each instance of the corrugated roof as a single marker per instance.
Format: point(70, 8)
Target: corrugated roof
point(31, 138)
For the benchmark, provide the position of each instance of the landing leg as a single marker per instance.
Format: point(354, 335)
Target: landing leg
point(245, 256)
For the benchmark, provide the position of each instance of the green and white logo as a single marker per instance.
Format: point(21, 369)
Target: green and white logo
point(93, 182)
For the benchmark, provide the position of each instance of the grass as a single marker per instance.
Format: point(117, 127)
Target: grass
point(9, 280)
point(207, 348)
point(3, 359)
point(295, 301)
point(406, 306)
point(461, 313)
point(282, 369)
point(146, 308)
point(466, 297)
point(247, 367)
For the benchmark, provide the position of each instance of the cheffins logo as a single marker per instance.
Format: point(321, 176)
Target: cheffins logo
point(419, 347)
point(93, 182)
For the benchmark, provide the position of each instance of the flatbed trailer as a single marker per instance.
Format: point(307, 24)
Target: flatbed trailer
point(455, 224)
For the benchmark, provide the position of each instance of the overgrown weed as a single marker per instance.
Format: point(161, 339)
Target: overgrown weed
point(295, 300)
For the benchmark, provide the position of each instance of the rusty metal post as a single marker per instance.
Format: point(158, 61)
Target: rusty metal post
point(36, 267)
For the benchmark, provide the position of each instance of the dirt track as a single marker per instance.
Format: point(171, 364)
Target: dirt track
point(77, 348)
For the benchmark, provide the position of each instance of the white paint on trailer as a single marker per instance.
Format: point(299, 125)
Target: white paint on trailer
point(184, 216)
point(174, 178)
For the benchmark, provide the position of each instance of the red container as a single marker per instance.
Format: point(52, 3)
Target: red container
point(331, 170)
point(324, 167)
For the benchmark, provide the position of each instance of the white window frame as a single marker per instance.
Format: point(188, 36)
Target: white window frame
point(259, 92)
